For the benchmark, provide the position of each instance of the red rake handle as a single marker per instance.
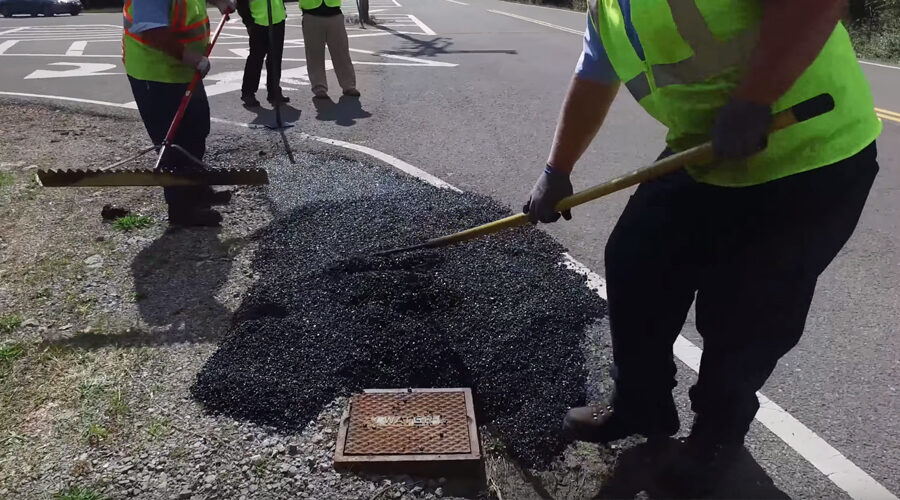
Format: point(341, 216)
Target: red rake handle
point(190, 90)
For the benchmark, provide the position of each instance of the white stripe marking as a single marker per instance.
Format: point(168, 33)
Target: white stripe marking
point(422, 26)
point(880, 65)
point(77, 48)
point(841, 471)
point(13, 30)
point(4, 46)
point(537, 21)
point(457, 2)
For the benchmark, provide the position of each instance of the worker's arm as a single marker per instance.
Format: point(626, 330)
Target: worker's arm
point(583, 112)
point(590, 94)
point(791, 35)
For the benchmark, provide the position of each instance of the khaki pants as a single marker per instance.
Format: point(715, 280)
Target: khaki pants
point(319, 31)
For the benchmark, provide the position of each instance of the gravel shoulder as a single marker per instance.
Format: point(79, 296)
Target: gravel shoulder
point(104, 327)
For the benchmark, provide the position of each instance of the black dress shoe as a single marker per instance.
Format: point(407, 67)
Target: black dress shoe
point(250, 100)
point(283, 99)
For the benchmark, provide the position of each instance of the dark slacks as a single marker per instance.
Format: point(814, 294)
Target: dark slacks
point(157, 103)
point(259, 46)
point(750, 256)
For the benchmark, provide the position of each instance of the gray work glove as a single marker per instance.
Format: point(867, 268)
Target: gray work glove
point(196, 60)
point(741, 129)
point(550, 187)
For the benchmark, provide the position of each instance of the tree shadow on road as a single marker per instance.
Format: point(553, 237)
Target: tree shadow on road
point(434, 46)
point(642, 469)
point(345, 112)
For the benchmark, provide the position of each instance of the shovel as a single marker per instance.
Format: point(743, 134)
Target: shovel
point(698, 155)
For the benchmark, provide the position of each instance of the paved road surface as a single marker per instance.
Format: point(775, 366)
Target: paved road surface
point(469, 91)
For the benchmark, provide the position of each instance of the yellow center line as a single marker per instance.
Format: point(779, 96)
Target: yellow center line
point(888, 117)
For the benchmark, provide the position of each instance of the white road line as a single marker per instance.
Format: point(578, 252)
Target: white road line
point(457, 2)
point(13, 30)
point(397, 3)
point(4, 46)
point(538, 21)
point(77, 48)
point(880, 65)
point(422, 26)
point(837, 468)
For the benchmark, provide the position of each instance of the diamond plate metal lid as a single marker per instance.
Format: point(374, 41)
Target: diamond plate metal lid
point(408, 424)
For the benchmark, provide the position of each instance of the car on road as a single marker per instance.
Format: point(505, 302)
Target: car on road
point(48, 8)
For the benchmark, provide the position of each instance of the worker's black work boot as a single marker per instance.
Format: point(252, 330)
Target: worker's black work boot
point(210, 196)
point(603, 424)
point(188, 215)
point(703, 460)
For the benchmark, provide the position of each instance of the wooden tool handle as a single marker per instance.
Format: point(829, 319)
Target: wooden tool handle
point(697, 155)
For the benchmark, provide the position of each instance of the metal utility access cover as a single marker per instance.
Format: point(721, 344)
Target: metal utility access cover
point(408, 425)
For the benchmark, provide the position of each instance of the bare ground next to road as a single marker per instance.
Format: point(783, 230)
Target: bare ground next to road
point(102, 331)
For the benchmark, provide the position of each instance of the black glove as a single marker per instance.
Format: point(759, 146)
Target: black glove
point(550, 187)
point(741, 129)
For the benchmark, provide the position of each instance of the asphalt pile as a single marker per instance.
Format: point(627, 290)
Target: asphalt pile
point(500, 315)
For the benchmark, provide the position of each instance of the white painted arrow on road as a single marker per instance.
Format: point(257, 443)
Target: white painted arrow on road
point(80, 69)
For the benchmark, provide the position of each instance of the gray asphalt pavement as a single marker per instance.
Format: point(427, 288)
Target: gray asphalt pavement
point(472, 96)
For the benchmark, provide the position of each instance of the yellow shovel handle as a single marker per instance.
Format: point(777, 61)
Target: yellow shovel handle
point(698, 155)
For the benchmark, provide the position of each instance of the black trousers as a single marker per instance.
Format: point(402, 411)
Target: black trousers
point(157, 103)
point(259, 46)
point(751, 257)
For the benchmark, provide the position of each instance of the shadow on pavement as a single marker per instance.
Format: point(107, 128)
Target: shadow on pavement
point(266, 116)
point(176, 279)
point(434, 46)
point(343, 113)
point(642, 469)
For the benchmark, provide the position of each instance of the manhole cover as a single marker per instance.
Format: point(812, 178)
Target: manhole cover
point(404, 426)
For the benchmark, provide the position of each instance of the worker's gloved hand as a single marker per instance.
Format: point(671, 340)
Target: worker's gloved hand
point(196, 60)
point(550, 187)
point(225, 6)
point(741, 129)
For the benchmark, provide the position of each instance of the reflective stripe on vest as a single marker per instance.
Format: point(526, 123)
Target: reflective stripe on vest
point(695, 53)
point(188, 21)
point(312, 4)
point(260, 11)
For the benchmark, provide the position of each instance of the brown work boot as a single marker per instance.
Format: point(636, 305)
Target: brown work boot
point(603, 424)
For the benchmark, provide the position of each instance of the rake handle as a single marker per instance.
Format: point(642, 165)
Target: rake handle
point(179, 115)
point(698, 155)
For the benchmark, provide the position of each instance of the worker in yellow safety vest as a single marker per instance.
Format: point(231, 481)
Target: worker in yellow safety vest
point(255, 15)
point(747, 237)
point(164, 45)
point(323, 24)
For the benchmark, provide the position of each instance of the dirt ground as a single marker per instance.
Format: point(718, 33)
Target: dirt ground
point(104, 326)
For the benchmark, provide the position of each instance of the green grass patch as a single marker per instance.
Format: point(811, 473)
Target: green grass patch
point(118, 407)
point(158, 429)
point(133, 222)
point(95, 433)
point(9, 322)
point(7, 179)
point(78, 493)
point(11, 352)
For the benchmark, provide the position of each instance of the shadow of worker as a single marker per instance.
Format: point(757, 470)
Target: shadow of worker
point(176, 280)
point(344, 112)
point(648, 469)
point(266, 116)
